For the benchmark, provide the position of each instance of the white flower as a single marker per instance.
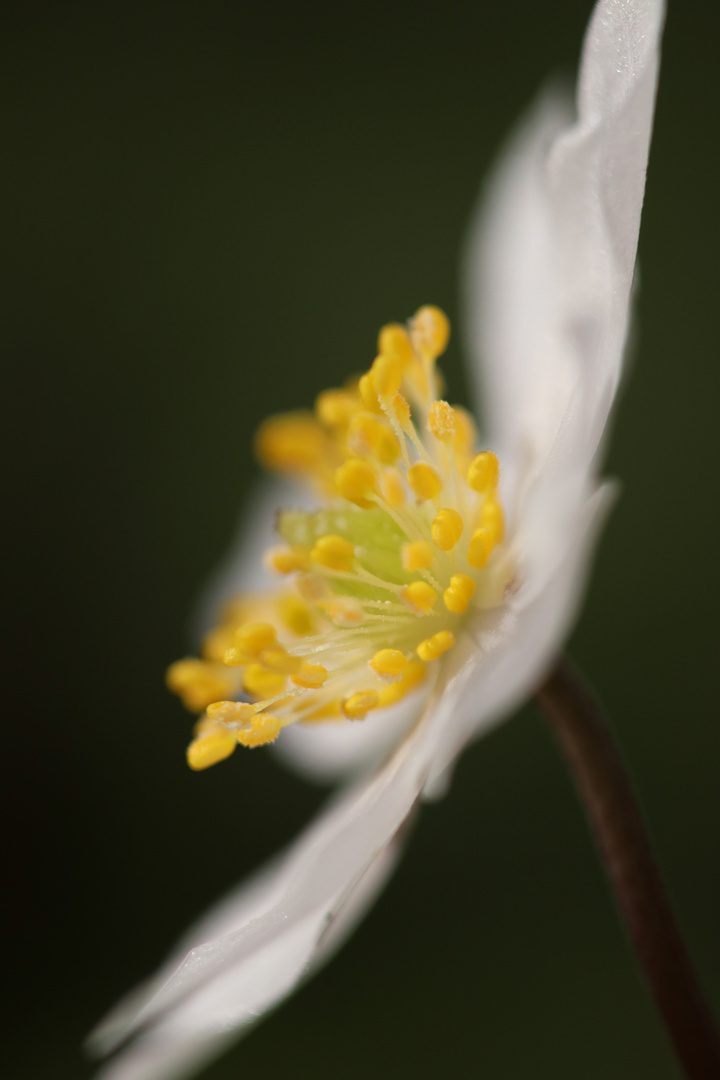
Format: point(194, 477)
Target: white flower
point(549, 276)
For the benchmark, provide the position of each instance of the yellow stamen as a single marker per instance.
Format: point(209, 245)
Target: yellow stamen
point(198, 682)
point(294, 442)
point(389, 662)
point(330, 711)
point(419, 596)
point(336, 408)
point(333, 552)
point(417, 555)
point(260, 682)
point(387, 375)
point(357, 706)
point(464, 438)
point(399, 408)
point(230, 712)
point(287, 560)
point(424, 481)
point(394, 340)
point(209, 749)
point(385, 545)
point(297, 615)
point(480, 548)
point(356, 481)
point(484, 472)
point(431, 331)
point(393, 488)
point(343, 611)
point(441, 420)
point(264, 729)
point(447, 529)
point(368, 393)
point(436, 645)
point(311, 676)
point(459, 593)
point(276, 658)
point(368, 435)
point(216, 643)
point(411, 677)
point(493, 519)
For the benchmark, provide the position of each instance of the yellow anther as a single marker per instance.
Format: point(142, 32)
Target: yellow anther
point(333, 552)
point(209, 749)
point(412, 675)
point(419, 596)
point(368, 393)
point(216, 643)
point(276, 658)
point(312, 587)
point(310, 676)
point(424, 481)
point(329, 711)
point(387, 375)
point(436, 645)
point(336, 408)
point(368, 435)
point(260, 682)
point(356, 481)
point(264, 729)
point(250, 640)
point(198, 683)
point(458, 595)
point(480, 548)
point(388, 662)
point(230, 712)
point(431, 331)
point(484, 472)
point(417, 555)
point(343, 611)
point(493, 519)
point(465, 433)
point(394, 340)
point(393, 488)
point(400, 408)
point(446, 529)
point(441, 420)
point(256, 636)
point(287, 560)
point(297, 615)
point(294, 442)
point(357, 706)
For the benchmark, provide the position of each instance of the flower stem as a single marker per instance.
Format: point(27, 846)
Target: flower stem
point(604, 789)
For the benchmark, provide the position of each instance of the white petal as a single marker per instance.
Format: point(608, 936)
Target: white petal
point(295, 918)
point(325, 752)
point(503, 656)
point(550, 265)
point(203, 1025)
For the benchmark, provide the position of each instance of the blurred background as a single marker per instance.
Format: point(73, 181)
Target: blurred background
point(209, 210)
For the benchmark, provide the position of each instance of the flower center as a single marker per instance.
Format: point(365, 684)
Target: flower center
point(408, 540)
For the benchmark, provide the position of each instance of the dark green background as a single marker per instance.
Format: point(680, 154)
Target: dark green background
point(209, 209)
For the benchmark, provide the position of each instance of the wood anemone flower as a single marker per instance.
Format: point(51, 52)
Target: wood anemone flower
point(432, 583)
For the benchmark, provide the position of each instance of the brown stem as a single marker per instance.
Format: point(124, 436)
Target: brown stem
point(605, 791)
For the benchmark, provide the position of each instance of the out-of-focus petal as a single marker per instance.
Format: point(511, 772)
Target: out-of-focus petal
point(550, 264)
point(242, 569)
